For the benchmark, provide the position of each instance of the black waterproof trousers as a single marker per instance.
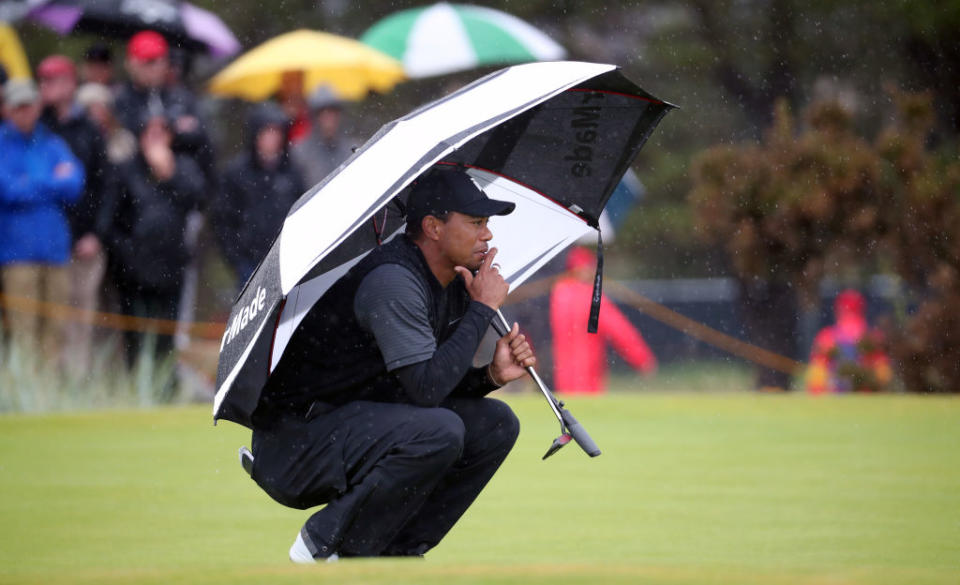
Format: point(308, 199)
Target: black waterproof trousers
point(395, 477)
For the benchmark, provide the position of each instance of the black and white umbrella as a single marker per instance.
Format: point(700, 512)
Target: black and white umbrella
point(183, 23)
point(555, 138)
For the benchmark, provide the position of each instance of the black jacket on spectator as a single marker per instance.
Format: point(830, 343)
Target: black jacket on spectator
point(87, 144)
point(135, 104)
point(253, 201)
point(146, 235)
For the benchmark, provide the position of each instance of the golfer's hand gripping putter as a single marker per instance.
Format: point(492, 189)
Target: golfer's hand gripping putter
point(569, 427)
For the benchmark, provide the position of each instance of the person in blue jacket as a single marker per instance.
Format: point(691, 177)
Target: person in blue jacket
point(39, 178)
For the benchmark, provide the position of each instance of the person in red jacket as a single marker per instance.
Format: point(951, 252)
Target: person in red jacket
point(580, 361)
point(849, 355)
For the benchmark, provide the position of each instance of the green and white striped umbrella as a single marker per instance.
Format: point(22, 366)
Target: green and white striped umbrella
point(443, 38)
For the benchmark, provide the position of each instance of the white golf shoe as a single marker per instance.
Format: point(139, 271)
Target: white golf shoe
point(300, 554)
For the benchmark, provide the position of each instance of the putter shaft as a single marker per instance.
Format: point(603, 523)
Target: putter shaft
point(504, 329)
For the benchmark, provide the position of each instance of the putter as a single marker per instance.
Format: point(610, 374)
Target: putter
point(569, 427)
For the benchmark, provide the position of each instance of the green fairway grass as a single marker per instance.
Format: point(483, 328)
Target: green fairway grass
point(692, 488)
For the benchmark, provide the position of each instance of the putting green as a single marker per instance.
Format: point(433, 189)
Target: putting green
point(691, 488)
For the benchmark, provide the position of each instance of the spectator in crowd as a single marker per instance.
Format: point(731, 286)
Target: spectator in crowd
point(322, 151)
point(58, 84)
point(153, 89)
point(97, 65)
point(190, 133)
point(258, 188)
point(39, 177)
point(580, 361)
point(848, 356)
point(98, 103)
point(148, 92)
point(149, 206)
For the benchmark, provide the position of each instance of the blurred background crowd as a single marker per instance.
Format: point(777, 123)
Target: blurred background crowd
point(801, 212)
point(109, 181)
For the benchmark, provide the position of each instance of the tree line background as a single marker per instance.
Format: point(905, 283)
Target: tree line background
point(814, 139)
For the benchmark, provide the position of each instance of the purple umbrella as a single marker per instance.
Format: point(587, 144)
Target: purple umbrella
point(182, 23)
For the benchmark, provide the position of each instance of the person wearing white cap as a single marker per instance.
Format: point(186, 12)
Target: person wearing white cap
point(39, 178)
point(98, 101)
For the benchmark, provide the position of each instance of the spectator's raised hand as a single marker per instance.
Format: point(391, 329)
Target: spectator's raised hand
point(155, 143)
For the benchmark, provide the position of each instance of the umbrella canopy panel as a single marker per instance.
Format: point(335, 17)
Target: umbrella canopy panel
point(564, 149)
point(443, 38)
point(184, 24)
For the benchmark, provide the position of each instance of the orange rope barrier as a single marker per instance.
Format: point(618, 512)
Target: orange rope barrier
point(204, 330)
point(671, 318)
point(704, 333)
point(214, 330)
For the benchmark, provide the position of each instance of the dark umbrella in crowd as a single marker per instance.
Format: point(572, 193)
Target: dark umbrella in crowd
point(555, 138)
point(184, 24)
point(14, 10)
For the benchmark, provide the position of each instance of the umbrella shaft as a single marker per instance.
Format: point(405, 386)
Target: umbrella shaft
point(504, 329)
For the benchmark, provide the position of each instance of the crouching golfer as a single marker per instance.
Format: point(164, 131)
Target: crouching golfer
point(375, 409)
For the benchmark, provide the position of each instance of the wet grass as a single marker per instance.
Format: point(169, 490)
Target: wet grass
point(688, 377)
point(692, 488)
point(30, 383)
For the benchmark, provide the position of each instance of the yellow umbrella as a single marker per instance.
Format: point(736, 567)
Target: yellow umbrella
point(348, 66)
point(12, 57)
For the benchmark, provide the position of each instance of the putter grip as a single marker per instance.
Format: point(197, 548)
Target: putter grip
point(580, 434)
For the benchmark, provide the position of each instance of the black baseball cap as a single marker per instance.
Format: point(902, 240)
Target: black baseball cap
point(441, 190)
point(98, 53)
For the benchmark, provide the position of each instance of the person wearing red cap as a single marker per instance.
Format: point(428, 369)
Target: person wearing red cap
point(147, 92)
point(146, 65)
point(147, 54)
point(579, 360)
point(848, 355)
point(57, 77)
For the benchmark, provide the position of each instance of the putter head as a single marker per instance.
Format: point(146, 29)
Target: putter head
point(557, 443)
point(246, 460)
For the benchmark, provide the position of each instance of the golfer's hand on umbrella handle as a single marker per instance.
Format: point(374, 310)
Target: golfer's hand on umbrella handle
point(486, 286)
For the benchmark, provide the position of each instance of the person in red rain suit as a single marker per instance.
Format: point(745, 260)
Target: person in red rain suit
point(848, 356)
point(580, 361)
